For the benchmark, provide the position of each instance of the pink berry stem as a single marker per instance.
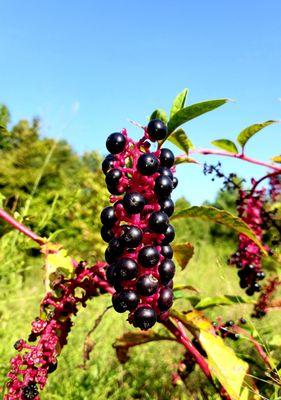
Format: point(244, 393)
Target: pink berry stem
point(276, 173)
point(20, 227)
point(256, 344)
point(240, 156)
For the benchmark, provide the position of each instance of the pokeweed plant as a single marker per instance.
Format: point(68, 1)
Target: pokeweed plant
point(139, 269)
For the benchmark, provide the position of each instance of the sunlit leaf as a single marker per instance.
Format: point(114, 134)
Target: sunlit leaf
point(225, 144)
point(222, 360)
point(159, 114)
point(58, 263)
point(180, 139)
point(222, 217)
point(185, 287)
point(185, 160)
point(188, 113)
point(276, 159)
point(226, 300)
point(178, 102)
point(251, 130)
point(183, 253)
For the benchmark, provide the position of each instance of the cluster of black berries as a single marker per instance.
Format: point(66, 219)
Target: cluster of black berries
point(248, 257)
point(137, 227)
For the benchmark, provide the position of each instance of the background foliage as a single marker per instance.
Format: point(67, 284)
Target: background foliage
point(60, 193)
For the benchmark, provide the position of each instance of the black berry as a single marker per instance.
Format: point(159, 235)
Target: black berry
point(169, 235)
point(158, 222)
point(133, 202)
point(116, 143)
point(167, 205)
point(167, 158)
point(106, 234)
point(126, 269)
point(163, 186)
point(144, 318)
point(148, 256)
point(30, 391)
point(166, 172)
point(112, 177)
point(125, 300)
point(166, 271)
point(167, 251)
point(108, 217)
point(156, 130)
point(108, 163)
point(147, 164)
point(147, 285)
point(131, 236)
point(166, 298)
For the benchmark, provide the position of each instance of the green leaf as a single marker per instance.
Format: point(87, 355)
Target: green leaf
point(225, 144)
point(251, 130)
point(183, 253)
point(277, 159)
point(180, 139)
point(208, 302)
point(159, 114)
point(223, 363)
point(193, 111)
point(185, 160)
point(222, 217)
point(178, 102)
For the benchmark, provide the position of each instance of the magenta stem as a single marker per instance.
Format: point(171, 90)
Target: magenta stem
point(258, 347)
point(20, 227)
point(240, 156)
point(179, 332)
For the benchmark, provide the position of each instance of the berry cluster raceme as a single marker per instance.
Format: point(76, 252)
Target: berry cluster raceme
point(137, 227)
point(37, 358)
point(248, 256)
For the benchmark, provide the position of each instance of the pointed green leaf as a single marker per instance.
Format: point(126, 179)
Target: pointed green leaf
point(180, 139)
point(185, 160)
point(193, 111)
point(183, 252)
point(225, 144)
point(159, 114)
point(222, 217)
point(178, 102)
point(208, 302)
point(251, 130)
point(276, 159)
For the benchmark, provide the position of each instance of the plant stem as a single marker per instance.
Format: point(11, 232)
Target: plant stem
point(20, 227)
point(178, 330)
point(240, 156)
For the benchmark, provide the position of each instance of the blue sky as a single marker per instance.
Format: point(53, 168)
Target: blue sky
point(86, 67)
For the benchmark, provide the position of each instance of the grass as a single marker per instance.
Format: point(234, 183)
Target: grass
point(147, 375)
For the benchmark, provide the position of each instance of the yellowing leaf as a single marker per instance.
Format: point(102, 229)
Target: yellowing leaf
point(276, 159)
point(223, 362)
point(183, 253)
point(58, 263)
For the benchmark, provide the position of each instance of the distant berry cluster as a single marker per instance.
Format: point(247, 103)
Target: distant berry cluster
point(248, 256)
point(263, 303)
point(30, 368)
point(137, 227)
